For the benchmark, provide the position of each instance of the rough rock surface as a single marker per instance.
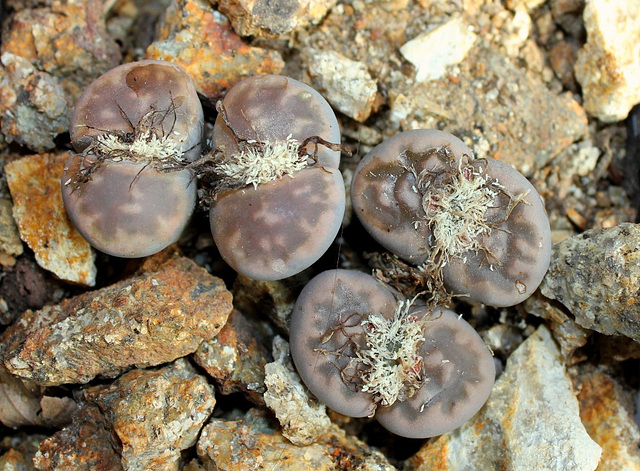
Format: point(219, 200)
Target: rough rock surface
point(155, 413)
point(495, 108)
point(254, 443)
point(235, 358)
point(19, 453)
point(346, 84)
point(605, 411)
point(33, 110)
point(596, 275)
point(34, 183)
point(608, 65)
point(49, 55)
point(202, 42)
point(10, 243)
point(303, 419)
point(532, 408)
point(86, 445)
point(162, 313)
point(268, 18)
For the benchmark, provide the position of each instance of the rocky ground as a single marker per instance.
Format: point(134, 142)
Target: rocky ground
point(174, 362)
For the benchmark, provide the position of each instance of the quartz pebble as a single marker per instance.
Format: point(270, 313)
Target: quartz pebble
point(161, 313)
point(345, 83)
point(34, 183)
point(532, 407)
point(432, 52)
point(608, 65)
point(596, 275)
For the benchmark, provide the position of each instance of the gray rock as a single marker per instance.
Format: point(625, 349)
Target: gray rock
point(608, 65)
point(596, 275)
point(303, 419)
point(531, 421)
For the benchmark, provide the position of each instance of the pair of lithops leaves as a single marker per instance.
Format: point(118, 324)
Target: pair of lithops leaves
point(365, 351)
point(131, 190)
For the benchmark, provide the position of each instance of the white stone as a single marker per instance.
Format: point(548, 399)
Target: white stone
point(608, 65)
point(432, 52)
point(345, 83)
point(531, 421)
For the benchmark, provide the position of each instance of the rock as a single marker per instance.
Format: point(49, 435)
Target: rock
point(273, 299)
point(235, 358)
point(33, 110)
point(10, 243)
point(269, 19)
point(155, 414)
point(432, 52)
point(608, 65)
point(19, 453)
point(605, 412)
point(34, 183)
point(161, 313)
point(346, 84)
point(23, 403)
point(596, 275)
point(67, 40)
point(303, 419)
point(563, 58)
point(532, 408)
point(86, 445)
point(253, 443)
point(495, 108)
point(202, 42)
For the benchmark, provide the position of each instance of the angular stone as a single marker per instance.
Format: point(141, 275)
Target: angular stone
point(156, 413)
point(596, 275)
point(34, 183)
point(23, 403)
point(10, 243)
point(235, 358)
point(532, 408)
point(162, 313)
point(496, 108)
point(20, 450)
point(608, 65)
point(86, 445)
point(202, 42)
point(254, 443)
point(303, 419)
point(268, 18)
point(33, 110)
point(433, 52)
point(346, 84)
point(606, 416)
point(67, 39)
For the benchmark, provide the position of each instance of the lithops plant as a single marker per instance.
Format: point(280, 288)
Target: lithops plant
point(365, 352)
point(132, 128)
point(279, 197)
point(477, 225)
